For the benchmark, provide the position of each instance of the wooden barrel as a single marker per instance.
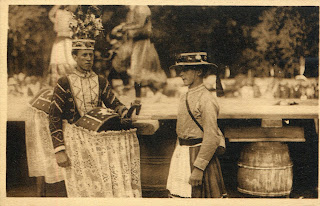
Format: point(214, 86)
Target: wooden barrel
point(265, 169)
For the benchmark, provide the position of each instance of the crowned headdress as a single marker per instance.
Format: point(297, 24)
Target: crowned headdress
point(86, 27)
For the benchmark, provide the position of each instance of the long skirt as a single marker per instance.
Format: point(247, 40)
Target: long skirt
point(180, 170)
point(104, 164)
point(145, 66)
point(40, 154)
point(61, 60)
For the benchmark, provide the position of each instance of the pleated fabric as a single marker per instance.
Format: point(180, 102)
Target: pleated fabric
point(212, 184)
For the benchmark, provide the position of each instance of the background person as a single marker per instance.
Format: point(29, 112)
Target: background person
point(61, 61)
point(145, 68)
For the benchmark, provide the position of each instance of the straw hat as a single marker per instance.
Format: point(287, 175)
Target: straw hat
point(193, 59)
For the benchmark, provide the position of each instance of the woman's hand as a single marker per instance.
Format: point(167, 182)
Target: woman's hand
point(196, 177)
point(125, 120)
point(124, 113)
point(62, 159)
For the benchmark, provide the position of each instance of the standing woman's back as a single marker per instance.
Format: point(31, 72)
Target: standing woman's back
point(61, 60)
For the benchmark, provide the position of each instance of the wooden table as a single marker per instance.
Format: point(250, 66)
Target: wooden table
point(157, 129)
point(236, 108)
point(230, 108)
point(272, 116)
point(266, 110)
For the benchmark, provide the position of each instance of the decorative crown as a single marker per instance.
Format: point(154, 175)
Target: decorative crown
point(86, 27)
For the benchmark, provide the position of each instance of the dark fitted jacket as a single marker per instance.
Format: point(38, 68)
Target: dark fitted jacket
point(63, 106)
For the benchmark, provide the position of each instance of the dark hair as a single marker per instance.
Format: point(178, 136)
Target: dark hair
point(68, 6)
point(74, 51)
point(219, 87)
point(206, 71)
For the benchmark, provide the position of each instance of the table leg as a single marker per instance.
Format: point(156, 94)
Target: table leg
point(41, 187)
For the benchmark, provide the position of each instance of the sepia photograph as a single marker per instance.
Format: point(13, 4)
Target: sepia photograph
point(163, 102)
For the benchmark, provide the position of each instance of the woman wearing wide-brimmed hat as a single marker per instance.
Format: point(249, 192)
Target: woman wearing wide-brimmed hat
point(195, 169)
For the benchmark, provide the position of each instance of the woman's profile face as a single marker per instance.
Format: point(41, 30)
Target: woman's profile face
point(188, 76)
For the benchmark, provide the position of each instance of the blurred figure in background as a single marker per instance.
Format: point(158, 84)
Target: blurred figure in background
point(61, 61)
point(118, 51)
point(144, 64)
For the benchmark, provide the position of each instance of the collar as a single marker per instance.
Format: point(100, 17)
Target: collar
point(197, 88)
point(83, 74)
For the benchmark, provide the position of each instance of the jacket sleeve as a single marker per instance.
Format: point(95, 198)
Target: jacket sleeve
point(110, 99)
point(211, 140)
point(57, 107)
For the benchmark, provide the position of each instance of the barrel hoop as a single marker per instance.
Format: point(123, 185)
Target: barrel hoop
point(270, 194)
point(265, 168)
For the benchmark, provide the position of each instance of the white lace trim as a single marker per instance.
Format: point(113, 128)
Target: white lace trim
point(40, 153)
point(105, 164)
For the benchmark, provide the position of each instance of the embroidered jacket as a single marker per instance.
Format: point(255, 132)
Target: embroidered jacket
point(204, 107)
point(74, 96)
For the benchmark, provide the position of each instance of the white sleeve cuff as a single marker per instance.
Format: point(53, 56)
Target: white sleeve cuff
point(201, 163)
point(59, 148)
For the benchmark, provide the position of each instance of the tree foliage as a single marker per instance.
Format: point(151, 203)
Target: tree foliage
point(280, 39)
point(30, 39)
point(259, 38)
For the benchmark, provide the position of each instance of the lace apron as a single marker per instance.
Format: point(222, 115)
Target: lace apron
point(103, 164)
